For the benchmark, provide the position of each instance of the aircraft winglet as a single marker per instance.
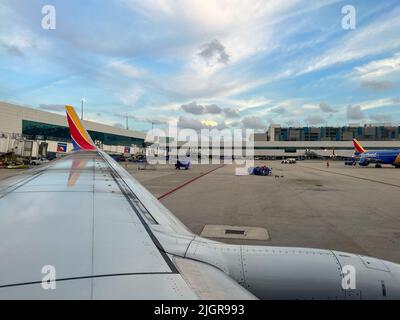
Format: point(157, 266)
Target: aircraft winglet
point(359, 148)
point(80, 137)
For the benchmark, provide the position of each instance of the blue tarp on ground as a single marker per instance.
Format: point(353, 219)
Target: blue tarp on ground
point(260, 171)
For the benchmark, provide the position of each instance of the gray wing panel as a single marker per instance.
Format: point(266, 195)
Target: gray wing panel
point(140, 286)
point(75, 216)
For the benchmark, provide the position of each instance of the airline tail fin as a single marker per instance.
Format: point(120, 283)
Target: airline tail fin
point(359, 148)
point(80, 137)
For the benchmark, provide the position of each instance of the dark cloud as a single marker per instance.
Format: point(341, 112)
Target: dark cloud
point(213, 109)
point(198, 109)
point(376, 85)
point(52, 107)
point(253, 123)
point(354, 113)
point(230, 112)
point(193, 108)
point(190, 123)
point(214, 51)
point(326, 107)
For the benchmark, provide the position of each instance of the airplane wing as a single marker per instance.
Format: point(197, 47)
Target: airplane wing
point(84, 224)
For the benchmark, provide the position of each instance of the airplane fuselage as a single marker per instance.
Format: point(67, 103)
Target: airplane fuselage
point(391, 157)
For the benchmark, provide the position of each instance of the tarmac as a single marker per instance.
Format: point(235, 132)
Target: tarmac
point(307, 204)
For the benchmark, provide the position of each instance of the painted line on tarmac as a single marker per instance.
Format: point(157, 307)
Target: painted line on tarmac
point(187, 182)
point(355, 177)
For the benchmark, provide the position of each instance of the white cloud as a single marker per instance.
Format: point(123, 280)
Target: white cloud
point(314, 120)
point(130, 95)
point(234, 27)
point(15, 38)
point(310, 106)
point(378, 103)
point(124, 69)
point(378, 68)
point(251, 103)
point(253, 123)
point(354, 113)
point(378, 37)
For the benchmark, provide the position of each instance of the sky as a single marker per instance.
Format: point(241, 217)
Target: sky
point(206, 63)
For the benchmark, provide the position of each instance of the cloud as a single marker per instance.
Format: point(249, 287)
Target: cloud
point(214, 52)
point(52, 107)
point(230, 112)
point(354, 112)
point(379, 103)
point(193, 108)
point(11, 49)
point(124, 69)
point(377, 85)
point(191, 123)
point(381, 32)
point(253, 123)
point(326, 107)
point(279, 110)
point(213, 109)
point(314, 120)
point(198, 109)
point(129, 96)
point(381, 117)
point(378, 68)
point(251, 103)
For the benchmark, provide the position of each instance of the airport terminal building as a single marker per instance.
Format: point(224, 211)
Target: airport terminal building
point(324, 141)
point(24, 130)
point(314, 142)
point(21, 126)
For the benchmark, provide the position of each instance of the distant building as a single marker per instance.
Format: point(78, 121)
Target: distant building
point(379, 132)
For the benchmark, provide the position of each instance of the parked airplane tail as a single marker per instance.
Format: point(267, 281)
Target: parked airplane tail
point(359, 148)
point(80, 137)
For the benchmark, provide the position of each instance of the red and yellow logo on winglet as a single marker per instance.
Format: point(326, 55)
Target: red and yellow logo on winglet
point(359, 148)
point(77, 131)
